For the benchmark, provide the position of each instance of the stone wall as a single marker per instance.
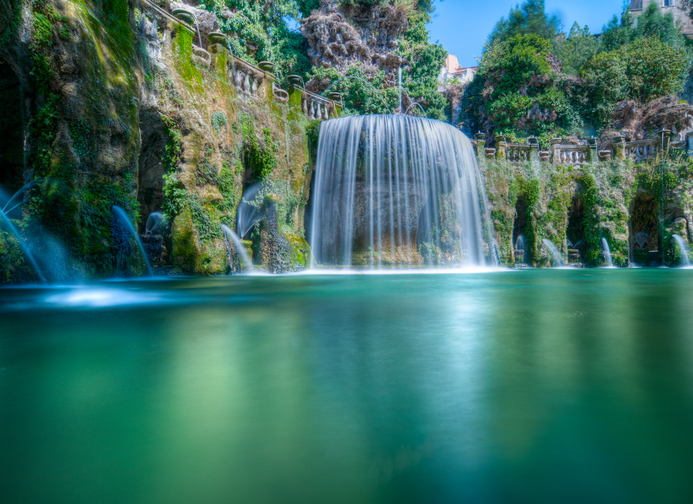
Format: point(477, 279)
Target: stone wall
point(636, 198)
point(121, 107)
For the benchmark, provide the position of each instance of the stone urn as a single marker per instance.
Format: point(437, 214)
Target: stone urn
point(556, 141)
point(544, 155)
point(336, 97)
point(217, 38)
point(267, 66)
point(605, 155)
point(295, 80)
point(184, 15)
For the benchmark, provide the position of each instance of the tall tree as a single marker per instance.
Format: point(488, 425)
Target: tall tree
point(528, 18)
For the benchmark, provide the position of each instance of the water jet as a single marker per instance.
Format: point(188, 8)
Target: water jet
point(120, 213)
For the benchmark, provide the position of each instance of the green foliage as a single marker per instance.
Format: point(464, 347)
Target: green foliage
point(528, 18)
point(579, 48)
point(641, 71)
point(652, 23)
point(80, 131)
point(261, 159)
point(175, 196)
point(517, 91)
point(207, 173)
point(425, 61)
point(207, 228)
point(305, 7)
point(219, 121)
point(265, 24)
point(361, 95)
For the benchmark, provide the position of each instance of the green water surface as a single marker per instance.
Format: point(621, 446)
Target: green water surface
point(530, 386)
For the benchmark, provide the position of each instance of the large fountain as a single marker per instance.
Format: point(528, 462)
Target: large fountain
point(398, 191)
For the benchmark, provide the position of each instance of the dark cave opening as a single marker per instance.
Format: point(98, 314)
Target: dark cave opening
point(644, 230)
point(575, 233)
point(151, 165)
point(520, 223)
point(12, 128)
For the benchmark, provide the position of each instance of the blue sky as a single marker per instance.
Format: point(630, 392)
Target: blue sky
point(463, 25)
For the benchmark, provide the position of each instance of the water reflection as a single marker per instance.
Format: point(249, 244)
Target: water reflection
point(530, 386)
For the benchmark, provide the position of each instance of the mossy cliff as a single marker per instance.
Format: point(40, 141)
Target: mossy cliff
point(114, 108)
point(635, 207)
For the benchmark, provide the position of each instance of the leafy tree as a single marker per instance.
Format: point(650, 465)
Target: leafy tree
point(361, 94)
point(643, 71)
point(515, 91)
point(425, 61)
point(651, 23)
point(305, 7)
point(264, 23)
point(573, 52)
point(528, 18)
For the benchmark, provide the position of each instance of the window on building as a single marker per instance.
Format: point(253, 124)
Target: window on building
point(667, 3)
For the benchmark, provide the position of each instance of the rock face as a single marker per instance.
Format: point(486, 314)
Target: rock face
point(207, 22)
point(342, 36)
point(114, 107)
point(636, 121)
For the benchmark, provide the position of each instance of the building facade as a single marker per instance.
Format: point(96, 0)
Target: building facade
point(453, 72)
point(675, 7)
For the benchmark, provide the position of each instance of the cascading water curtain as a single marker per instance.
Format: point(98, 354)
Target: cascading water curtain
point(398, 191)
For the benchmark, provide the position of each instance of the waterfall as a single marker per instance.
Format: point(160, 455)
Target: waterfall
point(607, 254)
point(240, 248)
point(398, 191)
point(683, 249)
point(554, 252)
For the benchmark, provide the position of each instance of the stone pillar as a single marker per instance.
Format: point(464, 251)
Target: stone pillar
point(479, 144)
point(620, 145)
point(220, 58)
point(533, 150)
point(592, 156)
point(665, 135)
point(501, 147)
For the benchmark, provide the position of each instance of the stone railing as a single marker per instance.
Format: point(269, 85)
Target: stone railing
point(246, 78)
point(561, 153)
point(250, 81)
point(315, 106)
point(643, 150)
point(159, 15)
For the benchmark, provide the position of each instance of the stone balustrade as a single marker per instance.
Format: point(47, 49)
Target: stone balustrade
point(162, 17)
point(250, 81)
point(561, 153)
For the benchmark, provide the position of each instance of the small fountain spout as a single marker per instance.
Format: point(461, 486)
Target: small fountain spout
point(240, 248)
point(683, 249)
point(124, 218)
point(607, 254)
point(554, 252)
point(399, 82)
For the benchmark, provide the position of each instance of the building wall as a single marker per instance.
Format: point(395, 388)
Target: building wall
point(673, 6)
